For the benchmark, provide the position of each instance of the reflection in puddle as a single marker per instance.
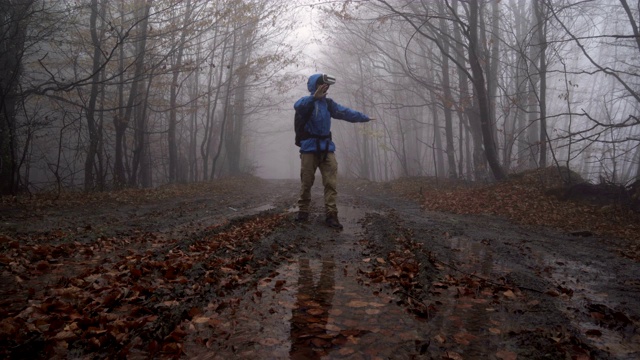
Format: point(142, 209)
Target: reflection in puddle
point(312, 308)
point(335, 317)
point(309, 333)
point(469, 322)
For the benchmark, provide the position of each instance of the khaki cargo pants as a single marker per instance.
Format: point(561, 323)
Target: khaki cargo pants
point(328, 170)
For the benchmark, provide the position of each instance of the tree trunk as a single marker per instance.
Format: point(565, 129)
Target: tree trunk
point(468, 111)
point(494, 62)
point(447, 101)
point(365, 169)
point(171, 135)
point(121, 122)
point(520, 86)
point(436, 148)
point(225, 110)
point(542, 43)
point(233, 143)
point(96, 11)
point(193, 123)
point(14, 29)
point(481, 94)
point(533, 133)
point(206, 148)
point(638, 170)
point(491, 54)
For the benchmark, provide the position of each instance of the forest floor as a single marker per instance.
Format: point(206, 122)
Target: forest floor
point(422, 269)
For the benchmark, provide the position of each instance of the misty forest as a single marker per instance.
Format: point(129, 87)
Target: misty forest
point(150, 184)
point(109, 94)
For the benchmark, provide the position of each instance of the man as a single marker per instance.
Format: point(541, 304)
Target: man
point(317, 149)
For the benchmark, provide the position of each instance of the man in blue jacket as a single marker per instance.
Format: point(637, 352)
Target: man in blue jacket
point(317, 149)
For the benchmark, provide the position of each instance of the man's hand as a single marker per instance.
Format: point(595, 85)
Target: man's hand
point(321, 91)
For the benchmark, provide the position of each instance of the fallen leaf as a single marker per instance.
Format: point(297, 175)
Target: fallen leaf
point(200, 319)
point(357, 304)
point(315, 311)
point(452, 355)
point(552, 293)
point(346, 351)
point(332, 327)
point(318, 342)
point(506, 355)
point(65, 335)
point(464, 338)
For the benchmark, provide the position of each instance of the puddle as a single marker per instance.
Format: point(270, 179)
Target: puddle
point(317, 308)
point(579, 277)
point(578, 282)
point(311, 308)
point(479, 321)
point(470, 322)
point(613, 342)
point(473, 257)
point(262, 208)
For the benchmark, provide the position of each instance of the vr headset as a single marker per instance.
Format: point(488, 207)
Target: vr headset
point(327, 79)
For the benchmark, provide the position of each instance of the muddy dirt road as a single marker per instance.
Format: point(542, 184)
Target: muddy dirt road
point(227, 273)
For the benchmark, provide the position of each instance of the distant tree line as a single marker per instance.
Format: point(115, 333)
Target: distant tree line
point(481, 89)
point(104, 94)
point(109, 94)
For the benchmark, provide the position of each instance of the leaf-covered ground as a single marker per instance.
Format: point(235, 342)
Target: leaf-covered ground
point(219, 270)
point(529, 199)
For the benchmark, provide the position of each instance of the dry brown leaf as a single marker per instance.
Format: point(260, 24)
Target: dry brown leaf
point(464, 338)
point(452, 355)
point(201, 319)
point(506, 355)
point(315, 311)
point(357, 303)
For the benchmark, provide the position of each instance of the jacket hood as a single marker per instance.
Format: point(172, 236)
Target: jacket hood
point(311, 83)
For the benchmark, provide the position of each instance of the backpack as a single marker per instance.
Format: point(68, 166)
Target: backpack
point(300, 121)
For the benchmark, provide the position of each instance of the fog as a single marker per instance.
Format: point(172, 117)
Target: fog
point(99, 95)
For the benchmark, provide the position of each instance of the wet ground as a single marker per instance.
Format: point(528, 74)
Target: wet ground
point(396, 283)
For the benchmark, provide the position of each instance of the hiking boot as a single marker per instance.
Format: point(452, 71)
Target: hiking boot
point(302, 216)
point(332, 221)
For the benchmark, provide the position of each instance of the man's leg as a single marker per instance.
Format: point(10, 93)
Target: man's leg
point(308, 166)
point(329, 171)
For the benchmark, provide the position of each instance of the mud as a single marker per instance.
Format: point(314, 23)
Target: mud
point(396, 283)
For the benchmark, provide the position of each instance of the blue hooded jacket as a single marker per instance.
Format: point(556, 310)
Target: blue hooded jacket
point(320, 121)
